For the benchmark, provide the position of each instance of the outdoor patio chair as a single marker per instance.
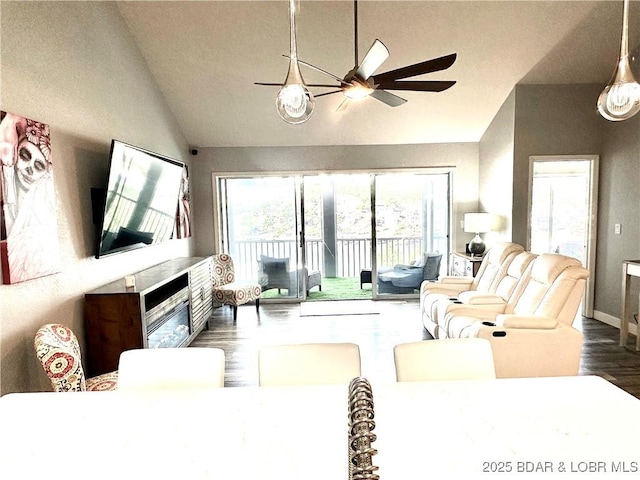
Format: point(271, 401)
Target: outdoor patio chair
point(407, 278)
point(274, 273)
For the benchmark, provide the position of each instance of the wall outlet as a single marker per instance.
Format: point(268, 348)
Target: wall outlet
point(617, 228)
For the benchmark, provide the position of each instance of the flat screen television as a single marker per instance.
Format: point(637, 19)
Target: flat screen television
point(138, 207)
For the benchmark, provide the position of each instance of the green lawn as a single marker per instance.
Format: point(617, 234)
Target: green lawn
point(339, 288)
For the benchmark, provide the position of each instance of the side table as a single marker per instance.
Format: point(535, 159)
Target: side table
point(465, 265)
point(630, 268)
point(365, 277)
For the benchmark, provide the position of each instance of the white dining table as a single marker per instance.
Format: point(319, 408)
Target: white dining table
point(506, 428)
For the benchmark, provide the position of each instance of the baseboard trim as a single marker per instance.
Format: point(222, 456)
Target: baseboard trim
point(613, 321)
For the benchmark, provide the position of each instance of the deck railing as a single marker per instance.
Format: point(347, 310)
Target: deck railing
point(352, 254)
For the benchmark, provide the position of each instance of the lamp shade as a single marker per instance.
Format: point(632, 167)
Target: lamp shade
point(477, 222)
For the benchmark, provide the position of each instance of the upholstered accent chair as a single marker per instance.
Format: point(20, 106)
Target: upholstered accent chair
point(226, 291)
point(171, 368)
point(58, 351)
point(447, 359)
point(308, 364)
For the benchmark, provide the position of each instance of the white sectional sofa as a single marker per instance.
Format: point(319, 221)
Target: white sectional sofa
point(526, 313)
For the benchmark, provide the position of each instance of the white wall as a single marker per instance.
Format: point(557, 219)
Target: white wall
point(75, 66)
point(462, 156)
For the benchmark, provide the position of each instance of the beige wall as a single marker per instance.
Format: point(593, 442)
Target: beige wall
point(463, 157)
point(75, 66)
point(562, 120)
point(496, 170)
point(551, 120)
point(619, 203)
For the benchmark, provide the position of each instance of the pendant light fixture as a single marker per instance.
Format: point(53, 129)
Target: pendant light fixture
point(620, 100)
point(294, 102)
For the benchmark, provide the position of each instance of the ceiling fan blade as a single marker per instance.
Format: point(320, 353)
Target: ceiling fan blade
point(418, 86)
point(323, 85)
point(388, 98)
point(429, 66)
point(335, 77)
point(327, 93)
point(375, 56)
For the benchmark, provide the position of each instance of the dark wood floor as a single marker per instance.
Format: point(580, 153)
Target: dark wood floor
point(376, 334)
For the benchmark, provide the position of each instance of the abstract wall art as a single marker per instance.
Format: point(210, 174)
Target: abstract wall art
point(183, 215)
point(29, 246)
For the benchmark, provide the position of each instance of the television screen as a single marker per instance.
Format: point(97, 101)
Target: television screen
point(140, 201)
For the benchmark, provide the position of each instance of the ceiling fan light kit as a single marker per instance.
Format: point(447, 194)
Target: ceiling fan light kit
point(620, 100)
point(294, 101)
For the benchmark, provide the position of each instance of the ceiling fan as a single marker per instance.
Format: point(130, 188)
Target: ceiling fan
point(360, 82)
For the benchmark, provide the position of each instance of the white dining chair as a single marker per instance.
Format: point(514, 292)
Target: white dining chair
point(308, 364)
point(171, 368)
point(444, 359)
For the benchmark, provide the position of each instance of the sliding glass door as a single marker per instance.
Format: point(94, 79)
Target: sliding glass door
point(336, 236)
point(337, 213)
point(412, 230)
point(563, 211)
point(260, 218)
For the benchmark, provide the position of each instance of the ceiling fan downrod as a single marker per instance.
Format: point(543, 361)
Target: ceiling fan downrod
point(294, 101)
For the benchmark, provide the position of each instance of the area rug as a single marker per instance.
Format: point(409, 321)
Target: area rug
point(339, 307)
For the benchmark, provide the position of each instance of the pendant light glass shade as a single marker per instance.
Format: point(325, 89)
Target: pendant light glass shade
point(620, 100)
point(294, 102)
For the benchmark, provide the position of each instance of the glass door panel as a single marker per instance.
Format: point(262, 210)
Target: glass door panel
point(563, 211)
point(337, 213)
point(260, 232)
point(560, 208)
point(412, 219)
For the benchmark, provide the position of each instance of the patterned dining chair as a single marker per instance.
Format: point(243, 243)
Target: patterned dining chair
point(59, 353)
point(226, 291)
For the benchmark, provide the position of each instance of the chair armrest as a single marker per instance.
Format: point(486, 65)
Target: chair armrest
point(535, 322)
point(402, 266)
point(473, 297)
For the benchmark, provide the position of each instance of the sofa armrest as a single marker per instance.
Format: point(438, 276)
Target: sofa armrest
point(474, 297)
point(477, 312)
point(534, 352)
point(456, 280)
point(535, 322)
point(450, 286)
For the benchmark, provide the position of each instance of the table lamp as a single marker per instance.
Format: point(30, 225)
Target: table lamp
point(477, 223)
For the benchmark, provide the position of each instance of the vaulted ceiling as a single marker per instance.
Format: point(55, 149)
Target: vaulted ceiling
point(206, 56)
